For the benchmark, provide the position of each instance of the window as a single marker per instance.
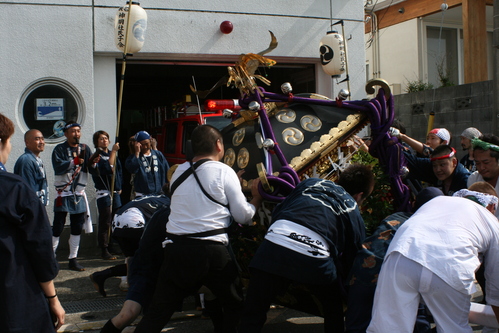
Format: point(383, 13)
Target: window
point(171, 138)
point(189, 127)
point(445, 56)
point(218, 122)
point(442, 56)
point(48, 104)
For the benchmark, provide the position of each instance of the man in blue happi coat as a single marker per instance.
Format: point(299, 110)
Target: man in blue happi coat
point(441, 170)
point(148, 165)
point(312, 241)
point(30, 166)
point(70, 160)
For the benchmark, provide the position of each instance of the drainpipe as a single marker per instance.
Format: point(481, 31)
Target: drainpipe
point(375, 51)
point(376, 48)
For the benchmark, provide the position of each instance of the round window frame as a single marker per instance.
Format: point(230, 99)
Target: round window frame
point(60, 83)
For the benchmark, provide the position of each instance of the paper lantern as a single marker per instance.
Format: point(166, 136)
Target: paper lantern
point(333, 54)
point(136, 28)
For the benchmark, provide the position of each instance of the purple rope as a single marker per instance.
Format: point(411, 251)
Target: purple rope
point(388, 149)
point(281, 189)
point(292, 172)
point(287, 177)
point(269, 133)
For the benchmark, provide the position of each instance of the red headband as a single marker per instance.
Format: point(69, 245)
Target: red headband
point(444, 156)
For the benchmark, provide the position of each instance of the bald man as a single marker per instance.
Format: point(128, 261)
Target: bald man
point(30, 166)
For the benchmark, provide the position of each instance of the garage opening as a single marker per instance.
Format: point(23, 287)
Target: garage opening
point(157, 90)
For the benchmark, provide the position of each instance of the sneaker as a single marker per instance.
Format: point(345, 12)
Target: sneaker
point(75, 266)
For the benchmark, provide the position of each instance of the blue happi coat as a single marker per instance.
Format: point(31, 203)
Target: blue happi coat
point(150, 172)
point(70, 180)
point(102, 175)
point(27, 258)
point(31, 169)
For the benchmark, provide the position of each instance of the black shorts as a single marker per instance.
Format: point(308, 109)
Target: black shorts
point(128, 239)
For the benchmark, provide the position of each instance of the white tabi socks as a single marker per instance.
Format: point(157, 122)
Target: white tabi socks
point(55, 243)
point(74, 245)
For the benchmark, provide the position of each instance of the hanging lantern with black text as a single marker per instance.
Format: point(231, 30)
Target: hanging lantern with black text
point(333, 54)
point(136, 28)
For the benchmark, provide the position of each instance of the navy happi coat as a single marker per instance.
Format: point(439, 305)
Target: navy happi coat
point(328, 211)
point(26, 256)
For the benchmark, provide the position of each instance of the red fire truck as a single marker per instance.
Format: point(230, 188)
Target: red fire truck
point(174, 133)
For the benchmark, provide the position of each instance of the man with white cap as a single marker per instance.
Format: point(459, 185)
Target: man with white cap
point(148, 165)
point(434, 138)
point(469, 134)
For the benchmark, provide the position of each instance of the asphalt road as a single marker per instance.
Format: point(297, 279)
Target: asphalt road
point(87, 311)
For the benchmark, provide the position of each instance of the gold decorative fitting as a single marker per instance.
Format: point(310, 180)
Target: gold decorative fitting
point(315, 161)
point(273, 107)
point(262, 174)
point(310, 123)
point(316, 146)
point(243, 76)
point(334, 131)
point(343, 125)
point(325, 138)
point(317, 96)
point(352, 117)
point(243, 158)
point(286, 116)
point(378, 82)
point(259, 140)
point(293, 136)
point(238, 137)
point(246, 116)
point(230, 157)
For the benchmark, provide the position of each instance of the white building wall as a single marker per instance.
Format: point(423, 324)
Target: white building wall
point(45, 41)
point(190, 31)
point(105, 95)
point(398, 54)
point(73, 41)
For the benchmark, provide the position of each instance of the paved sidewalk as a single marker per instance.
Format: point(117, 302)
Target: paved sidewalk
point(85, 308)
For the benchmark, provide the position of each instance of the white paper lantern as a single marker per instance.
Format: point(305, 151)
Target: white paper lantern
point(333, 54)
point(136, 28)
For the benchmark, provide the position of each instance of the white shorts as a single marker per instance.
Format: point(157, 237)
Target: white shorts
point(402, 285)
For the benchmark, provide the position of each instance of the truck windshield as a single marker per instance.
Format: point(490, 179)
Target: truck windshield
point(218, 122)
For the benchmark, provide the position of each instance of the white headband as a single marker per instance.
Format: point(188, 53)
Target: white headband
point(483, 198)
